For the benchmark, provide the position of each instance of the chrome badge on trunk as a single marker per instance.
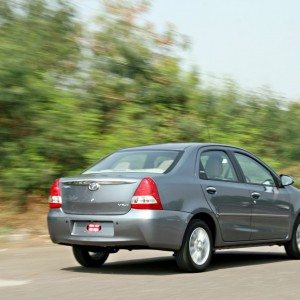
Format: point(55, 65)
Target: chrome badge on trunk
point(94, 186)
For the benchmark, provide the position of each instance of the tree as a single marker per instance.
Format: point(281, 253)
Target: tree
point(43, 129)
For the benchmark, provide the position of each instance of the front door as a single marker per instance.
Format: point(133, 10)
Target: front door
point(271, 208)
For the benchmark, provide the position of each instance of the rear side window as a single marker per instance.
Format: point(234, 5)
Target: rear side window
point(137, 161)
point(216, 165)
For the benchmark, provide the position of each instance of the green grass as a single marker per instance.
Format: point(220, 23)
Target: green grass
point(5, 229)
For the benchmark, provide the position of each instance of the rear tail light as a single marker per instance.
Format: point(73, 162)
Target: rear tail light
point(55, 195)
point(146, 196)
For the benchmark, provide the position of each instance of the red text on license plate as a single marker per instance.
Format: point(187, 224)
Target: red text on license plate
point(93, 227)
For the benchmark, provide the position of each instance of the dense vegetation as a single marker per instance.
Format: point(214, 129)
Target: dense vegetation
point(71, 93)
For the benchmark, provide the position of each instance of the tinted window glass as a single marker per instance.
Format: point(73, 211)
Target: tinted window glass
point(254, 172)
point(136, 161)
point(216, 165)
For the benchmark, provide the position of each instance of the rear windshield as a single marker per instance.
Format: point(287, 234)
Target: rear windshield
point(137, 161)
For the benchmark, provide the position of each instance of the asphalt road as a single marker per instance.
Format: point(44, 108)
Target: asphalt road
point(50, 272)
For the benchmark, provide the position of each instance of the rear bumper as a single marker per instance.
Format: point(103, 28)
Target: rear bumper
point(137, 228)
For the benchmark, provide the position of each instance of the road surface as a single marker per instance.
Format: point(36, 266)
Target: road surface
point(50, 272)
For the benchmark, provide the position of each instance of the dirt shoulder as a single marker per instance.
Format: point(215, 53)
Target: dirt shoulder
point(26, 225)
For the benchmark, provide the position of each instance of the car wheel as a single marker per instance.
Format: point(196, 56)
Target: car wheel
point(196, 250)
point(292, 248)
point(91, 259)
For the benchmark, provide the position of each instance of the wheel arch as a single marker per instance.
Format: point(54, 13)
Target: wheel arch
point(210, 222)
point(293, 223)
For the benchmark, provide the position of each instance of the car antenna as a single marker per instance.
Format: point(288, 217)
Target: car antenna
point(208, 131)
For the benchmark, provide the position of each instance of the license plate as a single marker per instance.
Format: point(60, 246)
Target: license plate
point(93, 227)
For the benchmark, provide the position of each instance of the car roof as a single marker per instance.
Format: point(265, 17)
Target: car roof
point(177, 146)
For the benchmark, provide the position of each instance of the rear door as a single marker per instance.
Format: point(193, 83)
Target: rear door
point(226, 195)
point(271, 210)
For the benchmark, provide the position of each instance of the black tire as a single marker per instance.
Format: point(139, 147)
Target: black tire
point(183, 257)
point(88, 258)
point(292, 248)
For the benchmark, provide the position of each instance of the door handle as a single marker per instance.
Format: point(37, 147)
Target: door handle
point(211, 190)
point(255, 195)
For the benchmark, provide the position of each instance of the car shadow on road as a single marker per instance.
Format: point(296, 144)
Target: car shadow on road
point(166, 265)
point(234, 259)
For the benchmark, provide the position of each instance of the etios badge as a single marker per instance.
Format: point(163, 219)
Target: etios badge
point(94, 186)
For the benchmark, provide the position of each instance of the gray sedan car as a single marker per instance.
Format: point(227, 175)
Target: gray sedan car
point(188, 198)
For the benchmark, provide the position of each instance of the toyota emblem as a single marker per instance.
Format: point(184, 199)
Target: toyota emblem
point(94, 186)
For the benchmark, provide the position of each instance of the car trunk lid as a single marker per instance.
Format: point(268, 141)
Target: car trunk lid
point(98, 194)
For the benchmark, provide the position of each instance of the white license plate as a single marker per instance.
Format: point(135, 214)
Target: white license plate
point(92, 228)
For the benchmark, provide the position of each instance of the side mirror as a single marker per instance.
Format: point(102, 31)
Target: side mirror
point(286, 180)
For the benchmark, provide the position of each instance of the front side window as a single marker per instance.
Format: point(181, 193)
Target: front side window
point(216, 165)
point(137, 161)
point(253, 171)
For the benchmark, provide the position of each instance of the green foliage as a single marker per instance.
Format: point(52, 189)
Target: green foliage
point(44, 128)
point(69, 96)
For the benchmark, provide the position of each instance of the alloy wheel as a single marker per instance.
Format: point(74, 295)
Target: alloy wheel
point(199, 246)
